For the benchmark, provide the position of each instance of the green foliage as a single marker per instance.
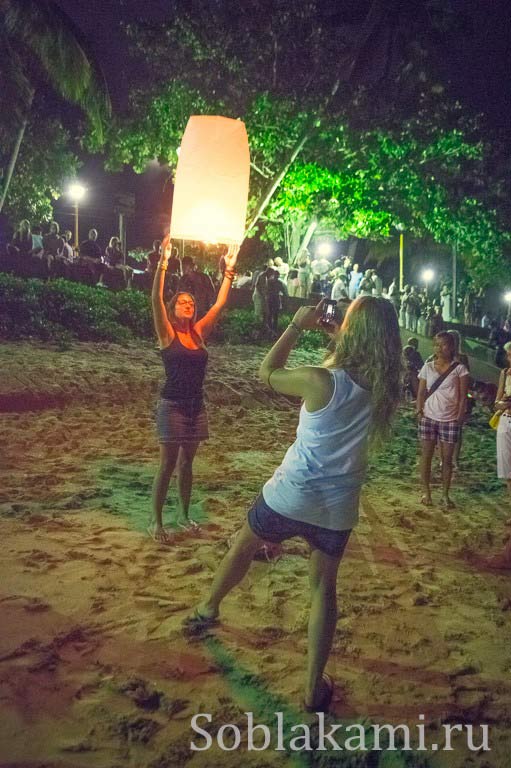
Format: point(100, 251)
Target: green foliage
point(59, 309)
point(45, 163)
point(156, 129)
point(238, 326)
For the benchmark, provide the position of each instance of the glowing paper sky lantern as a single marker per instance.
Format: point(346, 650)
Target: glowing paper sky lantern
point(211, 187)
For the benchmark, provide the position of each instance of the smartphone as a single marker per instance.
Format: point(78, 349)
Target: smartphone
point(329, 308)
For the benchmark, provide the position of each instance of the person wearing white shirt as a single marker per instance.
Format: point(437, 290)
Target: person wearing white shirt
point(378, 284)
point(445, 298)
point(441, 413)
point(282, 268)
point(339, 287)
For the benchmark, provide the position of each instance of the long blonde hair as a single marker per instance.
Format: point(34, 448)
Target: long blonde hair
point(368, 344)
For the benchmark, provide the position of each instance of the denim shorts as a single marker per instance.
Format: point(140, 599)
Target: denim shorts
point(181, 421)
point(273, 527)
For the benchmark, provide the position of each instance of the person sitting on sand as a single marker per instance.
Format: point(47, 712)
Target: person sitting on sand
point(441, 406)
point(182, 420)
point(315, 492)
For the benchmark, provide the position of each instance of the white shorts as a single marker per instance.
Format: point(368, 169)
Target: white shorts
point(504, 448)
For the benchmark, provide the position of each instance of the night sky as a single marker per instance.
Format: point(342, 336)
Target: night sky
point(477, 63)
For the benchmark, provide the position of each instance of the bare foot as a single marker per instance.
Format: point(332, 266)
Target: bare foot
point(321, 698)
point(426, 500)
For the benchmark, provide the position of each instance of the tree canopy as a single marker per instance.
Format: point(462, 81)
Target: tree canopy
point(348, 126)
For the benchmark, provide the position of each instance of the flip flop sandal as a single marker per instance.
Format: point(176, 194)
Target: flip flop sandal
point(196, 624)
point(323, 705)
point(152, 533)
point(424, 501)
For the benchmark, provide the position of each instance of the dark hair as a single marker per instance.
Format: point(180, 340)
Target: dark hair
point(172, 303)
point(170, 306)
point(450, 341)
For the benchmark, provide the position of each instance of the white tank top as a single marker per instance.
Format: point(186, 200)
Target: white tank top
point(320, 478)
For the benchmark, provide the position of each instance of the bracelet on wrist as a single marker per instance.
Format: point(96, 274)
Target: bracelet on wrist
point(163, 267)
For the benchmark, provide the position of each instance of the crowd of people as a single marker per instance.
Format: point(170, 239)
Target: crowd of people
point(52, 255)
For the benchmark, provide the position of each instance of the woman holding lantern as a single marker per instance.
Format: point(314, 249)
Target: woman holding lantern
point(182, 421)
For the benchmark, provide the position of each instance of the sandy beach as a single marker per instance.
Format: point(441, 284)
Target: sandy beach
point(94, 668)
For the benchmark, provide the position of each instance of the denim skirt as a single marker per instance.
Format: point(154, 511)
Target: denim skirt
point(181, 421)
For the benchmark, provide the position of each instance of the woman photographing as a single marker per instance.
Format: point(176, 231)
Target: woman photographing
point(314, 493)
point(182, 421)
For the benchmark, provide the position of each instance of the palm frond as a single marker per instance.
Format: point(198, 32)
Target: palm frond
point(62, 52)
point(15, 87)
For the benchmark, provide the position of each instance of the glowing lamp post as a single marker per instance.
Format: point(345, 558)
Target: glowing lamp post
point(211, 186)
point(325, 249)
point(76, 192)
point(428, 275)
point(507, 297)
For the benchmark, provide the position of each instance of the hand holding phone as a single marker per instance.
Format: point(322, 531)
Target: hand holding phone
point(328, 315)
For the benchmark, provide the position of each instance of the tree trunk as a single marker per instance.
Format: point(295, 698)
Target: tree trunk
point(295, 257)
point(12, 162)
point(276, 184)
point(15, 153)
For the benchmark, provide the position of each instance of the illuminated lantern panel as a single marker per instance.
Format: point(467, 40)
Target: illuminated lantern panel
point(211, 186)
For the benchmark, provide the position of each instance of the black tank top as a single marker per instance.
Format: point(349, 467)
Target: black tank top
point(185, 370)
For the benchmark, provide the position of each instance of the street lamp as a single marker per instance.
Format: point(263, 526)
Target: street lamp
point(428, 275)
point(507, 297)
point(325, 248)
point(76, 192)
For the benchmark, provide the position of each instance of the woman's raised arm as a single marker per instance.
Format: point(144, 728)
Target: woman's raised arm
point(205, 325)
point(163, 328)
